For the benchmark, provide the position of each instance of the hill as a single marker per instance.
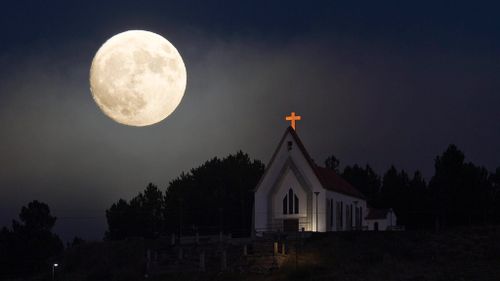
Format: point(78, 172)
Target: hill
point(458, 254)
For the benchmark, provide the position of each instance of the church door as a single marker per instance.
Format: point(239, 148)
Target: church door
point(290, 225)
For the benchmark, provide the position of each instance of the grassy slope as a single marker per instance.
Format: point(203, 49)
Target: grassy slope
point(465, 254)
point(460, 254)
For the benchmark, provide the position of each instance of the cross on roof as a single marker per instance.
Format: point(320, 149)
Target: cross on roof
point(292, 118)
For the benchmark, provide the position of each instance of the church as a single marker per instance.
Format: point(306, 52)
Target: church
point(295, 194)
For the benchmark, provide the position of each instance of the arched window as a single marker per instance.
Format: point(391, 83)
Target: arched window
point(290, 203)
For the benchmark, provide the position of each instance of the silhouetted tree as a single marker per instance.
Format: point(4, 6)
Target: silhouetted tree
point(495, 195)
point(459, 190)
point(474, 197)
point(331, 162)
point(151, 204)
point(446, 182)
point(419, 204)
point(77, 241)
point(495, 180)
point(29, 245)
point(141, 217)
point(218, 194)
point(395, 194)
point(118, 218)
point(365, 180)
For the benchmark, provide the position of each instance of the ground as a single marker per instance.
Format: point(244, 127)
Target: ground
point(455, 254)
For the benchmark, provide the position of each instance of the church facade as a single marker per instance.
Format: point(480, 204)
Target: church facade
point(295, 194)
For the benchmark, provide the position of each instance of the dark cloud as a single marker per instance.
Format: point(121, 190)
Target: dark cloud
point(379, 84)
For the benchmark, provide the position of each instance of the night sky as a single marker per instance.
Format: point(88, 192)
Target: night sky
point(378, 83)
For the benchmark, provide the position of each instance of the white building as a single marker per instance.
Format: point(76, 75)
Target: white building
point(296, 194)
point(381, 219)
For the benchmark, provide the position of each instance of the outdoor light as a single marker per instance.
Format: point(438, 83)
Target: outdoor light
point(54, 270)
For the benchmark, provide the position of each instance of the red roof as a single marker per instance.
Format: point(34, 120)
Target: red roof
point(331, 181)
point(327, 177)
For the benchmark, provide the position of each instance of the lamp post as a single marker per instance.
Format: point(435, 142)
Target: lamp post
point(317, 193)
point(54, 270)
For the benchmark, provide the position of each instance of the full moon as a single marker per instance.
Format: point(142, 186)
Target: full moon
point(137, 78)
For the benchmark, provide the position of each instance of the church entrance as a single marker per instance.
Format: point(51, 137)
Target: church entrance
point(291, 225)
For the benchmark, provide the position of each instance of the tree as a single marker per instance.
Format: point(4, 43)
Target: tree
point(150, 207)
point(495, 180)
point(460, 191)
point(118, 218)
point(217, 195)
point(30, 243)
point(475, 197)
point(495, 195)
point(141, 217)
point(365, 180)
point(419, 204)
point(445, 183)
point(394, 193)
point(331, 162)
point(77, 241)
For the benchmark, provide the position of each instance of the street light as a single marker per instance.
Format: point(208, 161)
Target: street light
point(54, 270)
point(317, 193)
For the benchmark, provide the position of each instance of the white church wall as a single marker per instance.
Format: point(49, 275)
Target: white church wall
point(272, 175)
point(307, 172)
point(347, 201)
point(289, 181)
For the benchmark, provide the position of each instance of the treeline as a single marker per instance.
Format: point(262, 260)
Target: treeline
point(459, 192)
point(216, 196)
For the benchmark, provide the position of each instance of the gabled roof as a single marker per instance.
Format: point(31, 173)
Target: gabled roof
point(377, 214)
point(331, 181)
point(327, 177)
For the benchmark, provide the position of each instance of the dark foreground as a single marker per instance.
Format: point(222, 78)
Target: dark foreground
point(459, 254)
